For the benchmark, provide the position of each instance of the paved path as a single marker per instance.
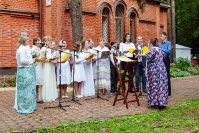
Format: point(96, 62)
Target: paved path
point(182, 90)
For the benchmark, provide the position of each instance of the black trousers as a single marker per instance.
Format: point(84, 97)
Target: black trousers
point(167, 64)
point(123, 64)
point(114, 79)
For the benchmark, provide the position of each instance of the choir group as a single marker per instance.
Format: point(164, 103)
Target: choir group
point(44, 66)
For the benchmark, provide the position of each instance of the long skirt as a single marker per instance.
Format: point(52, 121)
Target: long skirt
point(103, 74)
point(26, 90)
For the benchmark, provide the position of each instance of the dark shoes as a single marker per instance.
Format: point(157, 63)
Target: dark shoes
point(40, 102)
point(131, 91)
point(157, 107)
point(145, 91)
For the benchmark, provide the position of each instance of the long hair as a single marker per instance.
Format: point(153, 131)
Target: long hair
point(22, 39)
point(124, 38)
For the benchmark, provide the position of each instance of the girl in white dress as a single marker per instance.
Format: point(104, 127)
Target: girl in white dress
point(88, 84)
point(36, 53)
point(79, 74)
point(49, 91)
point(65, 69)
point(103, 69)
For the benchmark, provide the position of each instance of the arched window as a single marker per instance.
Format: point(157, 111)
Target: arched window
point(132, 27)
point(119, 18)
point(105, 24)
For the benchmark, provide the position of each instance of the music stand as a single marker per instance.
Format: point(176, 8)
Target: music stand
point(98, 93)
point(60, 90)
point(123, 80)
point(73, 95)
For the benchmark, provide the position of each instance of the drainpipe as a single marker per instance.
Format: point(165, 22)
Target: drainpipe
point(40, 18)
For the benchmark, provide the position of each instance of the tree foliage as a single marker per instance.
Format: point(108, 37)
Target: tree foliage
point(187, 18)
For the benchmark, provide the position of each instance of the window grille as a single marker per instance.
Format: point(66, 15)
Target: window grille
point(119, 18)
point(132, 27)
point(105, 24)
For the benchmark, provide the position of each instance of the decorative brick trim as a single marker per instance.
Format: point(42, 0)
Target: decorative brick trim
point(117, 2)
point(132, 10)
point(102, 5)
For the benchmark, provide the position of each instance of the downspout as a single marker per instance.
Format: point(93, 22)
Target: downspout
point(40, 18)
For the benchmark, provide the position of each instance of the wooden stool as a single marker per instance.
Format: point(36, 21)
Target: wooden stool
point(130, 81)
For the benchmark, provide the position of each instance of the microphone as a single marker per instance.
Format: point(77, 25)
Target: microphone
point(41, 43)
point(90, 47)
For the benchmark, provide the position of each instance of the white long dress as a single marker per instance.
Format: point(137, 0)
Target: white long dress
point(49, 90)
point(103, 71)
point(88, 84)
point(38, 66)
point(79, 74)
point(65, 71)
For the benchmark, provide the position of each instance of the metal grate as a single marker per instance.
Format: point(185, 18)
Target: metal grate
point(119, 18)
point(132, 27)
point(105, 24)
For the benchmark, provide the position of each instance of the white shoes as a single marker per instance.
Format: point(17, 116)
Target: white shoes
point(64, 96)
point(79, 96)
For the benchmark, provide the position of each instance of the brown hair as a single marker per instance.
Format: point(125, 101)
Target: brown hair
point(76, 45)
point(153, 41)
point(83, 43)
point(163, 33)
point(124, 38)
point(35, 40)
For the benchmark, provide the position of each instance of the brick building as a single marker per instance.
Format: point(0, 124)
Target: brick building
point(101, 18)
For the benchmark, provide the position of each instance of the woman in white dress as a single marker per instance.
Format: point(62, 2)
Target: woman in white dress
point(88, 84)
point(49, 91)
point(36, 53)
point(78, 69)
point(65, 69)
point(91, 45)
point(103, 69)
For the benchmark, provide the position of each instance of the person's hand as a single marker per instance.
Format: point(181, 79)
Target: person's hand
point(138, 55)
point(48, 60)
point(34, 60)
point(54, 62)
point(126, 51)
point(94, 60)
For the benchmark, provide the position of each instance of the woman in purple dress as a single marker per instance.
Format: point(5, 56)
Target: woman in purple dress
point(156, 76)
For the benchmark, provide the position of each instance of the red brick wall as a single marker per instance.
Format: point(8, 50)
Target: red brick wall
point(56, 22)
point(11, 24)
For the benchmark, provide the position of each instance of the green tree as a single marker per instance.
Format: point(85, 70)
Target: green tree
point(187, 18)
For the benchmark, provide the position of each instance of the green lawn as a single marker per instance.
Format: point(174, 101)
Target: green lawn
point(183, 117)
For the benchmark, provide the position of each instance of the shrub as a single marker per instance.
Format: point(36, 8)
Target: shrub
point(182, 63)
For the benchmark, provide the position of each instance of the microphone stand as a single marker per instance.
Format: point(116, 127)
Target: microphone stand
point(73, 95)
point(60, 89)
point(98, 94)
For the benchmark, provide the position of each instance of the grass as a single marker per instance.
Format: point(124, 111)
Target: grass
point(183, 117)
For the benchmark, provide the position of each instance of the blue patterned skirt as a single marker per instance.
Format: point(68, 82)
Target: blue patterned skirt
point(26, 90)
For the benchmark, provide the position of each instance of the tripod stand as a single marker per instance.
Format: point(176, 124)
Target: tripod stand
point(73, 95)
point(60, 89)
point(98, 93)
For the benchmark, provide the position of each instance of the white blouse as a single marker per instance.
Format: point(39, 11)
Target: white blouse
point(24, 57)
point(126, 46)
